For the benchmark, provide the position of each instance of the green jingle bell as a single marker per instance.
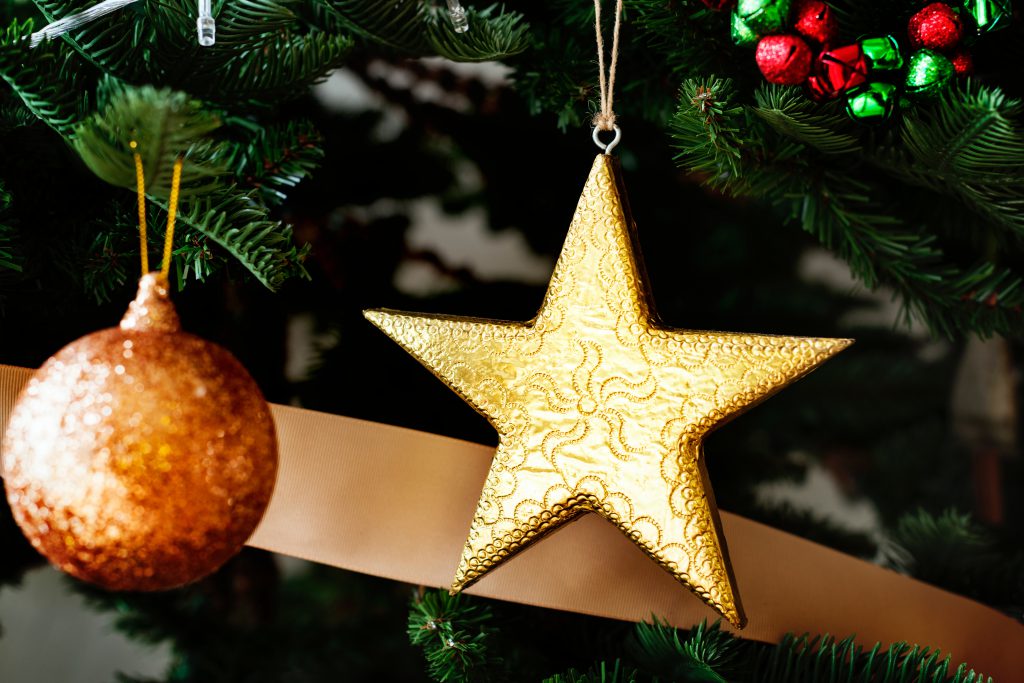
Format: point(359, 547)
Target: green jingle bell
point(928, 74)
point(872, 102)
point(882, 52)
point(763, 16)
point(742, 35)
point(989, 15)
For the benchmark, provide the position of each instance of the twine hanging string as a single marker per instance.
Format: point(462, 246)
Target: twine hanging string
point(604, 120)
point(172, 211)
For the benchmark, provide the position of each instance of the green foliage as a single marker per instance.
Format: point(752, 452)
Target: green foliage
point(14, 114)
point(493, 35)
point(275, 158)
point(707, 128)
point(257, 63)
point(112, 255)
point(301, 61)
point(458, 638)
point(453, 634)
point(240, 224)
point(790, 113)
point(809, 660)
point(599, 673)
point(139, 74)
point(52, 88)
point(803, 159)
point(416, 28)
point(955, 552)
point(166, 124)
point(163, 124)
point(971, 146)
point(702, 655)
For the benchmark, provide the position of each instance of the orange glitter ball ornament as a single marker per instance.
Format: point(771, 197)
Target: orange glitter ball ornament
point(140, 457)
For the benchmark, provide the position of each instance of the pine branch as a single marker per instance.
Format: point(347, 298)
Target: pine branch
point(14, 114)
point(416, 28)
point(398, 25)
point(706, 129)
point(112, 251)
point(689, 37)
point(264, 53)
point(275, 158)
point(249, 23)
point(247, 77)
point(227, 219)
point(554, 81)
point(51, 80)
point(970, 144)
point(112, 256)
point(769, 152)
point(881, 249)
point(702, 655)
point(791, 113)
point(167, 124)
point(193, 256)
point(952, 551)
point(825, 659)
point(164, 124)
point(118, 44)
point(706, 654)
point(453, 634)
point(492, 36)
point(240, 224)
point(930, 204)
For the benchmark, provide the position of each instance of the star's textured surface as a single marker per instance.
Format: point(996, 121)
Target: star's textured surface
point(601, 409)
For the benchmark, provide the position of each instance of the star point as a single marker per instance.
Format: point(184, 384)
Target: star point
point(601, 409)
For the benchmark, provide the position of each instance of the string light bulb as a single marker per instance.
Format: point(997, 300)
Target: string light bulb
point(206, 27)
point(460, 22)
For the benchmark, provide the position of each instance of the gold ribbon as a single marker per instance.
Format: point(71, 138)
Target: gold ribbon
point(397, 503)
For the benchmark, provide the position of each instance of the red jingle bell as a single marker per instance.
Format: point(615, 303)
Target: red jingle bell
point(936, 27)
point(785, 60)
point(814, 20)
point(842, 69)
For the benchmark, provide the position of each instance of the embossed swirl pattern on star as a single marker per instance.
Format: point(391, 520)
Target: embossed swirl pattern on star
point(599, 408)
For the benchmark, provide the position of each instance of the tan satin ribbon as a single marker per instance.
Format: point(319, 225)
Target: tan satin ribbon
point(397, 503)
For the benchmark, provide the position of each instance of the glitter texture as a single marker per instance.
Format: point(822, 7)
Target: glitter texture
point(814, 19)
point(928, 74)
point(936, 26)
point(140, 457)
point(785, 60)
point(601, 409)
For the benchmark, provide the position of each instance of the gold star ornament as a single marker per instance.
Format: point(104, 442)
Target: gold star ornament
point(599, 408)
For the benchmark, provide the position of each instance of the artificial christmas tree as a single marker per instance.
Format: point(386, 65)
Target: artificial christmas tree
point(923, 204)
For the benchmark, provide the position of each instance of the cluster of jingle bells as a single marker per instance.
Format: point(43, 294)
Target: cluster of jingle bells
point(796, 44)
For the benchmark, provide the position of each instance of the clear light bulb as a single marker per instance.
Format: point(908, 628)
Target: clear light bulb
point(206, 27)
point(458, 14)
